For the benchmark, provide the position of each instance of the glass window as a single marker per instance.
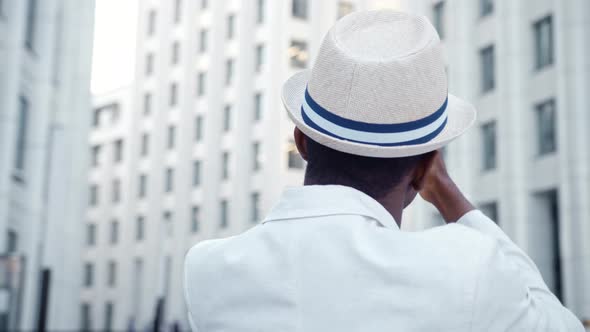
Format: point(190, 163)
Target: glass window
point(109, 311)
point(543, 42)
point(299, 9)
point(169, 180)
point(490, 210)
point(488, 132)
point(260, 11)
point(173, 94)
point(298, 54)
point(118, 150)
point(259, 57)
point(151, 24)
point(195, 219)
point(95, 155)
point(223, 214)
point(149, 64)
point(438, 17)
point(175, 53)
point(345, 8)
point(31, 25)
point(487, 63)
point(227, 118)
point(486, 7)
point(201, 84)
point(142, 190)
point(139, 228)
point(147, 103)
point(21, 134)
point(225, 165)
point(93, 199)
point(196, 173)
point(198, 128)
point(88, 274)
point(85, 318)
point(112, 274)
point(114, 236)
point(256, 156)
point(258, 106)
point(546, 135)
point(116, 191)
point(177, 11)
point(90, 235)
point(255, 202)
point(231, 22)
point(167, 217)
point(204, 4)
point(229, 71)
point(171, 137)
point(203, 41)
point(294, 158)
point(145, 144)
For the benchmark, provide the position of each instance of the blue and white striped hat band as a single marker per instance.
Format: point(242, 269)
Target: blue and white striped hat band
point(396, 134)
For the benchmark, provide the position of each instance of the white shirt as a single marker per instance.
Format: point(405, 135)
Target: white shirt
point(330, 258)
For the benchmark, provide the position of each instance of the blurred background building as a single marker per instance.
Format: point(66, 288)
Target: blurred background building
point(45, 58)
point(526, 163)
point(199, 147)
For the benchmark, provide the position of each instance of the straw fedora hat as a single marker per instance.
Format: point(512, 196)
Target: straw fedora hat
point(378, 88)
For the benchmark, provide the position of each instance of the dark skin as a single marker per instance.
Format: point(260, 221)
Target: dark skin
point(429, 178)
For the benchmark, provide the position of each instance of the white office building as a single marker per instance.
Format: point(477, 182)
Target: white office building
point(45, 53)
point(204, 145)
point(526, 163)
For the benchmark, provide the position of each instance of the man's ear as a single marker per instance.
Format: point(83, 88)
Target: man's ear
point(421, 170)
point(301, 143)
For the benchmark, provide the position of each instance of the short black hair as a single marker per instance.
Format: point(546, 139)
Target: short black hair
point(373, 176)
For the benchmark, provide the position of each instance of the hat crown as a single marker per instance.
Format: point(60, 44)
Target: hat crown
point(381, 67)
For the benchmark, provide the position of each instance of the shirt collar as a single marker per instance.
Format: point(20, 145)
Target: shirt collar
point(323, 200)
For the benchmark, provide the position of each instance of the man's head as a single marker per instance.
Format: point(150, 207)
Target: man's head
point(376, 177)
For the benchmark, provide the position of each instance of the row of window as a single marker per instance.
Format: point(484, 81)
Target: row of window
point(546, 139)
point(96, 153)
point(86, 324)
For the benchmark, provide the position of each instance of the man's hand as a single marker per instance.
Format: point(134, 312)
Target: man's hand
point(442, 192)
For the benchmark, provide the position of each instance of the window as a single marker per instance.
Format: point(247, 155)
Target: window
point(95, 155)
point(490, 210)
point(548, 233)
point(299, 9)
point(167, 217)
point(145, 144)
point(345, 8)
point(151, 24)
point(546, 136)
point(142, 190)
point(488, 132)
point(169, 180)
point(21, 134)
point(149, 64)
point(118, 150)
point(90, 235)
point(543, 42)
point(85, 318)
point(147, 103)
point(116, 191)
point(203, 41)
point(88, 274)
point(195, 219)
point(258, 106)
point(227, 118)
point(173, 94)
point(177, 11)
point(255, 202)
point(260, 11)
point(114, 236)
point(93, 199)
point(96, 118)
point(11, 242)
point(225, 165)
point(486, 7)
point(175, 53)
point(30, 26)
point(223, 207)
point(196, 173)
point(204, 4)
point(438, 17)
point(229, 71)
point(139, 228)
point(259, 58)
point(171, 137)
point(294, 160)
point(109, 311)
point(487, 64)
point(256, 156)
point(298, 54)
point(198, 128)
point(201, 81)
point(112, 274)
point(231, 22)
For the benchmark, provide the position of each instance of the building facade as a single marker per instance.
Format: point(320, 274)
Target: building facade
point(45, 54)
point(207, 146)
point(524, 65)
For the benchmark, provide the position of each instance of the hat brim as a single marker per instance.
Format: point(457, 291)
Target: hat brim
point(461, 116)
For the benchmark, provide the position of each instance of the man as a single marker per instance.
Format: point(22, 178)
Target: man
point(330, 255)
